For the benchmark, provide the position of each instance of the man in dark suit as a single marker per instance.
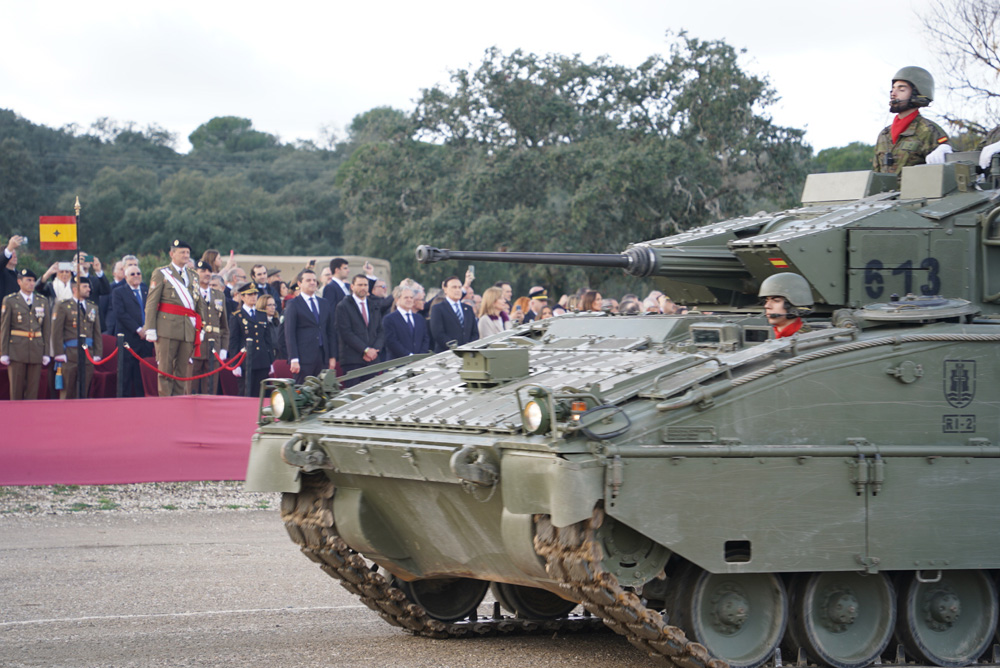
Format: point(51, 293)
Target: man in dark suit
point(309, 330)
point(337, 288)
point(359, 329)
point(452, 320)
point(128, 304)
point(405, 330)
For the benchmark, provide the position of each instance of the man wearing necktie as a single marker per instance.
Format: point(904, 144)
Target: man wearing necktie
point(359, 329)
point(216, 326)
point(128, 304)
point(405, 331)
point(309, 330)
point(452, 320)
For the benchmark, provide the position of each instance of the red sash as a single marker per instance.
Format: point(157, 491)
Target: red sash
point(177, 309)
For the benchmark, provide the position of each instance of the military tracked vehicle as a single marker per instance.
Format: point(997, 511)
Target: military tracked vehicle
point(715, 494)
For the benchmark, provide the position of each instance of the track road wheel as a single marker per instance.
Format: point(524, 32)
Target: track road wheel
point(739, 618)
point(842, 620)
point(531, 602)
point(445, 599)
point(950, 622)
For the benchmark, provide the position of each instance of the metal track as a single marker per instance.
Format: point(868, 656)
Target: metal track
point(573, 557)
point(308, 518)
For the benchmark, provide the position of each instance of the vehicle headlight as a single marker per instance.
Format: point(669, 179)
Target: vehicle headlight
point(282, 405)
point(536, 417)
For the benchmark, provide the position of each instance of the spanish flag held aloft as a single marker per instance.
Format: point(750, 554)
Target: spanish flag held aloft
point(57, 232)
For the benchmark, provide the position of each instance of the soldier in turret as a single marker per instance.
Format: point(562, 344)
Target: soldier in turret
point(911, 139)
point(787, 297)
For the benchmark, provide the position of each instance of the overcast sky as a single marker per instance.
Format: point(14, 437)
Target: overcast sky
point(296, 66)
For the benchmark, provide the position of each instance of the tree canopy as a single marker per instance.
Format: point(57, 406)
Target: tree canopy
point(524, 152)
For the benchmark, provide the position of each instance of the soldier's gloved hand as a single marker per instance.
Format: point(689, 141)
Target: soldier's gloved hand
point(45, 360)
point(190, 360)
point(223, 354)
point(5, 360)
point(936, 157)
point(986, 155)
point(151, 335)
point(238, 371)
point(271, 372)
point(61, 358)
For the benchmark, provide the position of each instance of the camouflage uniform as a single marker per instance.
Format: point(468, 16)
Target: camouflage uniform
point(914, 143)
point(992, 138)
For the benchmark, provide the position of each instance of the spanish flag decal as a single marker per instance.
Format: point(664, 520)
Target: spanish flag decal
point(57, 232)
point(778, 262)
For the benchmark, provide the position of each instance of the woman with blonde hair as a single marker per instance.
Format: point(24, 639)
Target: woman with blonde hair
point(493, 313)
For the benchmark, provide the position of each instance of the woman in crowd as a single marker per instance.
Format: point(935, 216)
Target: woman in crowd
point(492, 313)
point(545, 313)
point(521, 306)
point(267, 305)
point(591, 301)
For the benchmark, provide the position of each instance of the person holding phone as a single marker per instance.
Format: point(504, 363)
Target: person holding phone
point(8, 266)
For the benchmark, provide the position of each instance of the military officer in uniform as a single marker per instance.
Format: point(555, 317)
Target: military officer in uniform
point(25, 332)
point(66, 316)
point(911, 139)
point(174, 314)
point(249, 323)
point(216, 326)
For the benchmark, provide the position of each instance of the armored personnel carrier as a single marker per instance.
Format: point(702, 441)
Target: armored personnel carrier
point(715, 494)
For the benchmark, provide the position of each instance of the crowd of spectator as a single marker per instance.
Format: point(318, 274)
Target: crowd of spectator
point(193, 310)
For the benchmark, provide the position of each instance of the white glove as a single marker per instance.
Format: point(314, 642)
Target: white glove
point(986, 155)
point(271, 372)
point(936, 157)
point(238, 371)
point(45, 360)
point(151, 335)
point(223, 354)
point(97, 359)
point(61, 358)
point(5, 360)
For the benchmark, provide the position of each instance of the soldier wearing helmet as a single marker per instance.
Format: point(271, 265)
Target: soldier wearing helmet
point(911, 139)
point(787, 297)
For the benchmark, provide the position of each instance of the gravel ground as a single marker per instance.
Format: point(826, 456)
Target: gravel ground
point(154, 497)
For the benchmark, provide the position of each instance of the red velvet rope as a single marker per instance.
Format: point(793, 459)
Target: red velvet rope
point(103, 361)
point(233, 363)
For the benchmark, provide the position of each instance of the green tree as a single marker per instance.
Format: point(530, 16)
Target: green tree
point(554, 153)
point(231, 134)
point(853, 157)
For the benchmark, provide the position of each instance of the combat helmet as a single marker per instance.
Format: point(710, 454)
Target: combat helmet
point(793, 288)
point(922, 82)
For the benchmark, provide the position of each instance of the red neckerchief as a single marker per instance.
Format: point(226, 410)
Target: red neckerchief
point(900, 124)
point(788, 330)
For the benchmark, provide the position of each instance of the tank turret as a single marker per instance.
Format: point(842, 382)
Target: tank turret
point(859, 237)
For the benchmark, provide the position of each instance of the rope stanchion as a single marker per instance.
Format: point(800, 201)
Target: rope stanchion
point(236, 361)
point(107, 359)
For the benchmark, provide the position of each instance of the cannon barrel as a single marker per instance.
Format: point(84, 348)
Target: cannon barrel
point(642, 260)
